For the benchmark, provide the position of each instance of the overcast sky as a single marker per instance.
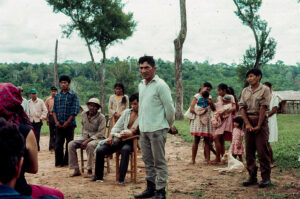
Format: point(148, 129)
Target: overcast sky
point(29, 28)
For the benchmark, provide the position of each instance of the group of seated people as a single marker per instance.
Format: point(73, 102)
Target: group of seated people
point(93, 139)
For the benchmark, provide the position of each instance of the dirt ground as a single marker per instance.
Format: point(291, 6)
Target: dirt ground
point(185, 181)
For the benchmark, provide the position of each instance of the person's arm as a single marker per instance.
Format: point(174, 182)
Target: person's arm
point(262, 113)
point(74, 111)
point(127, 102)
point(119, 126)
point(110, 106)
point(58, 125)
point(44, 111)
point(68, 122)
point(31, 146)
point(275, 108)
point(166, 99)
point(211, 104)
point(101, 130)
point(192, 107)
point(249, 127)
point(264, 104)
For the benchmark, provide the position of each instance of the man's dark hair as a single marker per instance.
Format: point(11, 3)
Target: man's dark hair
point(148, 59)
point(240, 121)
point(254, 71)
point(207, 84)
point(268, 84)
point(223, 87)
point(205, 94)
point(11, 150)
point(133, 97)
point(65, 78)
point(53, 88)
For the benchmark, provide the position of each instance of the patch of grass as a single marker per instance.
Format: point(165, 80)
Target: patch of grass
point(286, 151)
point(271, 194)
point(197, 193)
point(289, 186)
point(230, 195)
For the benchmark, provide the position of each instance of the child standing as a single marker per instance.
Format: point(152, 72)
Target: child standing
point(237, 147)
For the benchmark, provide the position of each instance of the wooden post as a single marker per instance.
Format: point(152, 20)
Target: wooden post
point(55, 79)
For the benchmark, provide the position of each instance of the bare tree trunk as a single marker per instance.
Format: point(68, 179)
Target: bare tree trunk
point(55, 79)
point(102, 98)
point(178, 43)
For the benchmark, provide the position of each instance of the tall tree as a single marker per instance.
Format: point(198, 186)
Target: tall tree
point(178, 44)
point(55, 79)
point(100, 23)
point(264, 50)
point(109, 25)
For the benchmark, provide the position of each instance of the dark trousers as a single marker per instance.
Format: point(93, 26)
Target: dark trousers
point(62, 134)
point(124, 147)
point(52, 129)
point(37, 129)
point(258, 141)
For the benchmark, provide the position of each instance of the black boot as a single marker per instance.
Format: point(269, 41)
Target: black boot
point(149, 191)
point(264, 183)
point(160, 194)
point(250, 181)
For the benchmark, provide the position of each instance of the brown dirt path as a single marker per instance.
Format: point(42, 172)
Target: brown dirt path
point(185, 181)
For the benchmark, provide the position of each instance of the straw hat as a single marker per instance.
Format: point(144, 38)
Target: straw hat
point(95, 101)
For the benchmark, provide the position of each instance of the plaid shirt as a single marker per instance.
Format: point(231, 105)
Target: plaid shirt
point(66, 105)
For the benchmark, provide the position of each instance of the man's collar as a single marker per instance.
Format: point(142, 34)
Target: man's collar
point(155, 78)
point(69, 91)
point(260, 86)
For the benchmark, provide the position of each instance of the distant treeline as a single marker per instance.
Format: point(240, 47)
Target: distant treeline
point(86, 84)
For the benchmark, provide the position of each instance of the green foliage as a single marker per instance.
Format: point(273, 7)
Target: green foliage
point(264, 50)
point(286, 151)
point(84, 79)
point(126, 73)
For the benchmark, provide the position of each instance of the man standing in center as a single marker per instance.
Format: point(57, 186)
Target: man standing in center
point(156, 116)
point(66, 107)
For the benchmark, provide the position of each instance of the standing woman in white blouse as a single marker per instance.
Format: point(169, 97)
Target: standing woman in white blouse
point(117, 102)
point(272, 119)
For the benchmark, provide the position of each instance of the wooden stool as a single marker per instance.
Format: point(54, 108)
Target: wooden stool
point(133, 160)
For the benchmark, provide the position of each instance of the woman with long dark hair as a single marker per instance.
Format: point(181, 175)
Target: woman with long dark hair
point(226, 122)
point(118, 102)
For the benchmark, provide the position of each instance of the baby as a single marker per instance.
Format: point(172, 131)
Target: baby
point(203, 102)
point(221, 114)
point(202, 107)
point(116, 138)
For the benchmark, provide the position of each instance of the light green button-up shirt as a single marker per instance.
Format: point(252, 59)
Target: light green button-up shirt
point(156, 109)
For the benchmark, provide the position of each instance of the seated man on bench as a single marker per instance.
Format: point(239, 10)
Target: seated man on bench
point(125, 127)
point(93, 130)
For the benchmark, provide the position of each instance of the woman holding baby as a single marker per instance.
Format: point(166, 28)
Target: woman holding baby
point(222, 119)
point(200, 125)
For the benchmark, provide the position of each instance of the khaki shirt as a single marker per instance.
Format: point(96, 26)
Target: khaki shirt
point(252, 100)
point(93, 128)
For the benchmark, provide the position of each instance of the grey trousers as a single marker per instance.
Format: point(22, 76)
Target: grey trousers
point(153, 151)
point(75, 144)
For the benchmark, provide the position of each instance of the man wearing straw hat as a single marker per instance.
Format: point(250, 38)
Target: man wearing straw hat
point(93, 130)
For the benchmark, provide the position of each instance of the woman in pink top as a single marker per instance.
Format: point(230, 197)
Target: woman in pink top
point(226, 125)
